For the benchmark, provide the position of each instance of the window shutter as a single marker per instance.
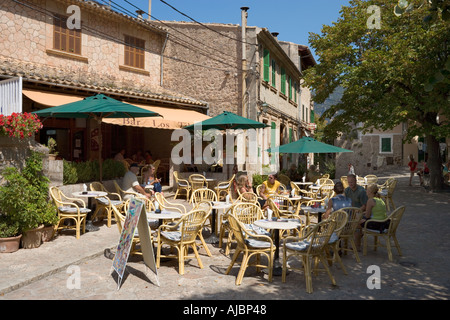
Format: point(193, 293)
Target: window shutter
point(312, 116)
point(290, 135)
point(266, 65)
point(290, 88)
point(274, 73)
point(283, 81)
point(386, 145)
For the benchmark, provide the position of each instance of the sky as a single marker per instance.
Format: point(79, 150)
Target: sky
point(292, 19)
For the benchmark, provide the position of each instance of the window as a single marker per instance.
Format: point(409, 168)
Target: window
point(266, 65)
point(295, 92)
point(385, 144)
point(290, 88)
point(283, 81)
point(311, 119)
point(134, 52)
point(274, 73)
point(64, 39)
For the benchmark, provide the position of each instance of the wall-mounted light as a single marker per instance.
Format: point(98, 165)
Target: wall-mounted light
point(263, 109)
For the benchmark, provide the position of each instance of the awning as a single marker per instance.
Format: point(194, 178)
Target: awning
point(173, 118)
point(51, 99)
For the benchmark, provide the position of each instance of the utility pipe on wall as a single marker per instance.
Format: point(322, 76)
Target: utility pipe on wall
point(244, 59)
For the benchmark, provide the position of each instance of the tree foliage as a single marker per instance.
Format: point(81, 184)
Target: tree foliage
point(385, 72)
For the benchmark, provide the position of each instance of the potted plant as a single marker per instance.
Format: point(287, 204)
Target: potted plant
point(49, 219)
point(51, 145)
point(24, 200)
point(9, 235)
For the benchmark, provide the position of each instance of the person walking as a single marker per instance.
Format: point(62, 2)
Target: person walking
point(412, 168)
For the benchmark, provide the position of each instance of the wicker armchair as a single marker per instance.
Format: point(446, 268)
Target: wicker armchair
point(68, 209)
point(181, 236)
point(341, 218)
point(348, 232)
point(224, 187)
point(106, 203)
point(250, 244)
point(197, 181)
point(182, 185)
point(371, 179)
point(310, 247)
point(388, 234)
point(246, 213)
point(386, 195)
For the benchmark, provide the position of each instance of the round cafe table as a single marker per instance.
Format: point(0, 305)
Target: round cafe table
point(280, 224)
point(163, 215)
point(90, 195)
point(319, 211)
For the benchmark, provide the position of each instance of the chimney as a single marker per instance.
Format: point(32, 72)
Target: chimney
point(139, 13)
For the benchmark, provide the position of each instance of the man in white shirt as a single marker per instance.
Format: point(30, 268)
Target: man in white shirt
point(130, 182)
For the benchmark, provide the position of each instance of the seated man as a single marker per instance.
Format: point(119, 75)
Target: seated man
point(269, 187)
point(130, 182)
point(356, 193)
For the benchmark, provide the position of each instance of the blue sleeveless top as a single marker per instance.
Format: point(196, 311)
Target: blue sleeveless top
point(341, 201)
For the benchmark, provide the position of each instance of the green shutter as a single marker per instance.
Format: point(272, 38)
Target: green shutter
point(386, 145)
point(283, 81)
point(295, 92)
point(266, 65)
point(290, 88)
point(312, 116)
point(274, 73)
point(291, 135)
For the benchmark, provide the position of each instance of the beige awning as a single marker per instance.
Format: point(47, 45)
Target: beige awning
point(51, 99)
point(172, 118)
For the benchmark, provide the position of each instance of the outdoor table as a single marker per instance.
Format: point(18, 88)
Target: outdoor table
point(215, 207)
point(304, 183)
point(164, 215)
point(319, 211)
point(280, 224)
point(90, 195)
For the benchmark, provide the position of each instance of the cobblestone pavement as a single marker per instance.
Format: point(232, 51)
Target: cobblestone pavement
point(421, 273)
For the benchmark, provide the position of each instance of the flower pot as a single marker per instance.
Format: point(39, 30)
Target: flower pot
point(11, 244)
point(52, 157)
point(32, 238)
point(47, 233)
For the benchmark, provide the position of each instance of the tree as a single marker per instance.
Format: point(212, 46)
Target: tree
point(384, 69)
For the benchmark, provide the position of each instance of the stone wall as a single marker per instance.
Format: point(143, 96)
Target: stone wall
point(210, 72)
point(14, 152)
point(26, 39)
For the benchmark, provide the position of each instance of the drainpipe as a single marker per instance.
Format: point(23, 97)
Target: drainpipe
point(162, 59)
point(244, 58)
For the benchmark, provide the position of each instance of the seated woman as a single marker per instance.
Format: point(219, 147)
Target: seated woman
point(243, 185)
point(375, 210)
point(337, 202)
point(269, 187)
point(312, 175)
point(150, 179)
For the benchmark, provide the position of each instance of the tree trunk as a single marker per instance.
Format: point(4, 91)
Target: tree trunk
point(434, 163)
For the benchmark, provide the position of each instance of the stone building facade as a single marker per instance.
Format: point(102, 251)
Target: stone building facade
point(248, 84)
point(111, 53)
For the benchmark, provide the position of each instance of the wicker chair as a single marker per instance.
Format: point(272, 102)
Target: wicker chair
point(283, 207)
point(200, 195)
point(106, 203)
point(224, 187)
point(68, 209)
point(344, 181)
point(348, 232)
point(125, 194)
point(250, 244)
point(197, 181)
point(371, 179)
point(181, 236)
point(341, 218)
point(246, 213)
point(388, 234)
point(182, 185)
point(387, 195)
point(167, 205)
point(309, 247)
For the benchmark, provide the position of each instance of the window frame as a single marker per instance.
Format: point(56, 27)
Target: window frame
point(386, 136)
point(63, 34)
point(135, 51)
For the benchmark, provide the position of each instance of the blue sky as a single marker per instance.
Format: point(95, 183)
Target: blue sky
point(292, 19)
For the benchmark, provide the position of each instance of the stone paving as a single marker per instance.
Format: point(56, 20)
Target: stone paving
point(420, 274)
